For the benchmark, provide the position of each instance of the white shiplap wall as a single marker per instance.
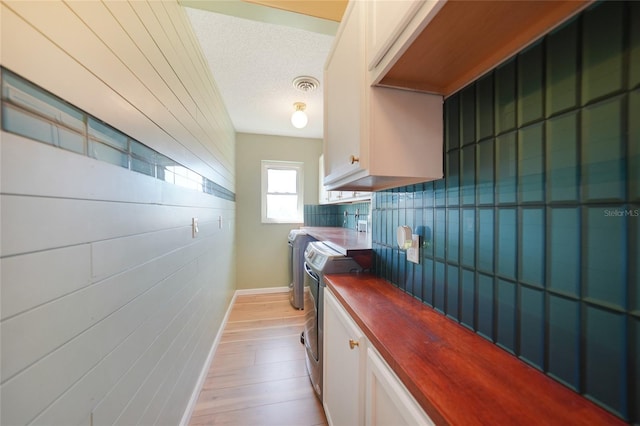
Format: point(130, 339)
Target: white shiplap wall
point(108, 306)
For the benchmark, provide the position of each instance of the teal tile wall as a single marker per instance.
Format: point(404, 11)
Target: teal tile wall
point(321, 215)
point(349, 221)
point(334, 214)
point(532, 238)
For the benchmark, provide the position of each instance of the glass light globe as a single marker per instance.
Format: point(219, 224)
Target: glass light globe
point(299, 119)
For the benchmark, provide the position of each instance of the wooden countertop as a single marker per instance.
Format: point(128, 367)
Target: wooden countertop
point(458, 377)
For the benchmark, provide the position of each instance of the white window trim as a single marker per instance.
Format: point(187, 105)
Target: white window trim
point(283, 165)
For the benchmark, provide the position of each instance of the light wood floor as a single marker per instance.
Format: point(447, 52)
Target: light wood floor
point(258, 375)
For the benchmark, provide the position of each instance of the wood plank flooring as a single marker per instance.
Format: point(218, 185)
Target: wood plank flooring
point(258, 374)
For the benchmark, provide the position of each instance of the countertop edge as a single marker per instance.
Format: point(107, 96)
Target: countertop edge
point(341, 239)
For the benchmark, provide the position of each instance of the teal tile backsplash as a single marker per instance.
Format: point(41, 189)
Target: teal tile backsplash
point(334, 214)
point(531, 239)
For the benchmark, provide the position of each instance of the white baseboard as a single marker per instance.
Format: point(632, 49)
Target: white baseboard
point(262, 290)
point(207, 364)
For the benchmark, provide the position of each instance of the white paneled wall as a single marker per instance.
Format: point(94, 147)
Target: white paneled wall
point(170, 103)
point(108, 306)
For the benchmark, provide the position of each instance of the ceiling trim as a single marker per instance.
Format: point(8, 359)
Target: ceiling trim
point(325, 9)
point(271, 15)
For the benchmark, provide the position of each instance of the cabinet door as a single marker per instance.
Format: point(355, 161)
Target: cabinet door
point(361, 195)
point(344, 348)
point(385, 21)
point(376, 137)
point(323, 194)
point(388, 402)
point(343, 95)
point(335, 196)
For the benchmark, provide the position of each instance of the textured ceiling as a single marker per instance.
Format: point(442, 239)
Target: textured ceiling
point(254, 63)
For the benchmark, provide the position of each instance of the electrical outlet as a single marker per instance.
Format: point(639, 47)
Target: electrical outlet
point(413, 252)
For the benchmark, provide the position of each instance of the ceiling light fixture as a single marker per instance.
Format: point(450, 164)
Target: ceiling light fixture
point(304, 84)
point(299, 117)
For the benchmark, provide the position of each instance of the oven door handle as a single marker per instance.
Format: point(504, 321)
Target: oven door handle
point(309, 272)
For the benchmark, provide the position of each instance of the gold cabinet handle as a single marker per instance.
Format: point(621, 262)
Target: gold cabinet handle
point(353, 159)
point(353, 343)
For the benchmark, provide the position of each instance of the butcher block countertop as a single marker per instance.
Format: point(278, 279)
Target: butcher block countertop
point(347, 241)
point(458, 377)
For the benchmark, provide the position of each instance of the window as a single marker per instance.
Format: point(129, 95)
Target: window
point(282, 193)
point(30, 111)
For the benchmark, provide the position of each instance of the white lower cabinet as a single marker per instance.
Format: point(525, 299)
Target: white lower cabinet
point(359, 387)
point(344, 361)
point(388, 402)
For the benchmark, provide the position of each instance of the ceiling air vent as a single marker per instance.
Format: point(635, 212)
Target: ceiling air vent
point(305, 84)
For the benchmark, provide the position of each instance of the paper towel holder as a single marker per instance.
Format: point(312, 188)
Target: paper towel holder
point(403, 236)
point(409, 242)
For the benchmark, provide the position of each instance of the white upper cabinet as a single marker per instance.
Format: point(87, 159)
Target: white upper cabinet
point(339, 197)
point(392, 26)
point(342, 96)
point(323, 194)
point(375, 137)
